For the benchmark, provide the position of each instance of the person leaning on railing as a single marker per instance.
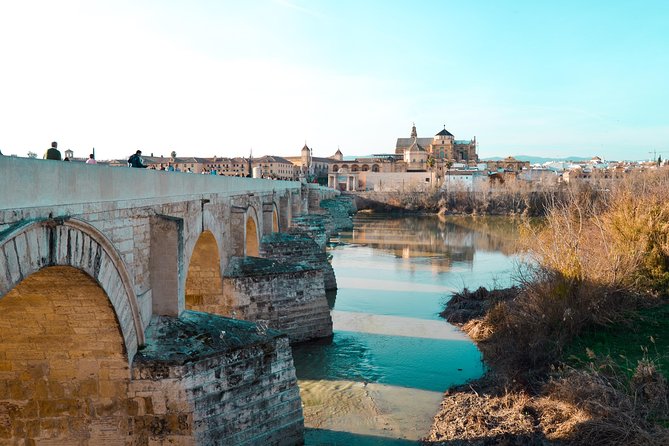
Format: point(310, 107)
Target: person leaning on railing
point(136, 160)
point(53, 153)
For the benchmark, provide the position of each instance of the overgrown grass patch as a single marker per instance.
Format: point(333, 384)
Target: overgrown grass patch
point(644, 336)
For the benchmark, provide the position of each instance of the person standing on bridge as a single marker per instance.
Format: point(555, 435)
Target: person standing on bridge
point(53, 153)
point(91, 159)
point(136, 160)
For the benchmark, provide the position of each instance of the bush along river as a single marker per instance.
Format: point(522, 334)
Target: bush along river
point(381, 378)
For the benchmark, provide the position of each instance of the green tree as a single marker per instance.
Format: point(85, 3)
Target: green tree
point(173, 154)
point(32, 154)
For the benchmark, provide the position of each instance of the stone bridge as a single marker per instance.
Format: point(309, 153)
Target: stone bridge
point(134, 308)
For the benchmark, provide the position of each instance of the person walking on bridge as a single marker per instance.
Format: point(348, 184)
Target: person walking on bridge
point(53, 153)
point(136, 160)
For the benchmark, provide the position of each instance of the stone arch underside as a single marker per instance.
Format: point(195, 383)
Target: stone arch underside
point(30, 248)
point(275, 220)
point(64, 367)
point(251, 237)
point(204, 284)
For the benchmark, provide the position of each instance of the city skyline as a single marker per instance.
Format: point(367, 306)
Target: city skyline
point(223, 78)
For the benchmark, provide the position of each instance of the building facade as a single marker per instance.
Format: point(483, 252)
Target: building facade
point(442, 146)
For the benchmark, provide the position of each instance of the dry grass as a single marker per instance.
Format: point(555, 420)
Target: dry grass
point(575, 407)
point(478, 416)
point(616, 411)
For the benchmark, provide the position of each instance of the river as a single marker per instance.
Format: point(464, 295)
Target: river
point(381, 378)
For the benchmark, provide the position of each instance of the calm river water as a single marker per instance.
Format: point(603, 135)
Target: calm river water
point(380, 380)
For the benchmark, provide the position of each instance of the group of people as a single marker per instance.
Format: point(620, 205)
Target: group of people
point(53, 153)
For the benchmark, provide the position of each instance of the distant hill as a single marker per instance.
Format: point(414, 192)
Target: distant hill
point(539, 159)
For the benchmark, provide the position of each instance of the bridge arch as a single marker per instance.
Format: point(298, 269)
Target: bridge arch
point(70, 242)
point(275, 219)
point(66, 369)
point(251, 236)
point(204, 283)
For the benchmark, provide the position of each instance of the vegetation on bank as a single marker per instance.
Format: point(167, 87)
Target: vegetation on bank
point(578, 351)
point(514, 197)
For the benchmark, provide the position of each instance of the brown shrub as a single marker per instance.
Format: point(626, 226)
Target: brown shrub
point(619, 239)
point(523, 336)
point(649, 388)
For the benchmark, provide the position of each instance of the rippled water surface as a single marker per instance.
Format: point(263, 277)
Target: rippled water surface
point(380, 380)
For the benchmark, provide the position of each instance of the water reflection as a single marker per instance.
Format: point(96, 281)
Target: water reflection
point(456, 238)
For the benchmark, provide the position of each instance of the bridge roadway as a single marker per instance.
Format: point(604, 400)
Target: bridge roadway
point(138, 238)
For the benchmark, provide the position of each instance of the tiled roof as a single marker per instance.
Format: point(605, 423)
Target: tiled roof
point(444, 133)
point(415, 147)
point(406, 142)
point(271, 159)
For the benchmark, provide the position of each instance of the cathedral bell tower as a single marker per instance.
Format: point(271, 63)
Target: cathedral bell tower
point(306, 159)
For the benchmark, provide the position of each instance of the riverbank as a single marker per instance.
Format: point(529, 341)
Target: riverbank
point(517, 200)
point(597, 401)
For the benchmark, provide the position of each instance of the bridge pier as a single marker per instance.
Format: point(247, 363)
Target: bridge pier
point(298, 247)
point(206, 379)
point(290, 297)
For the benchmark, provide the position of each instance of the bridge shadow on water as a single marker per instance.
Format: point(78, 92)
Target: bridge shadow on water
point(324, 437)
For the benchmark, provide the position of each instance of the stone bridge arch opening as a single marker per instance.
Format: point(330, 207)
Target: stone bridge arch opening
point(74, 243)
point(65, 364)
point(204, 284)
point(275, 220)
point(252, 245)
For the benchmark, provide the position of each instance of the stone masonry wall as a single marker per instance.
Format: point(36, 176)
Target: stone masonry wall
point(291, 297)
point(317, 226)
point(295, 248)
point(63, 368)
point(236, 379)
point(340, 210)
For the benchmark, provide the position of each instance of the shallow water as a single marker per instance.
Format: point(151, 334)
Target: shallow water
point(380, 380)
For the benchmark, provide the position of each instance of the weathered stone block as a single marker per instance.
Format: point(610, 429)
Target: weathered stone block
point(192, 347)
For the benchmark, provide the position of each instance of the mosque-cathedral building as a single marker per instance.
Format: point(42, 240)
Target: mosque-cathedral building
point(415, 159)
point(442, 146)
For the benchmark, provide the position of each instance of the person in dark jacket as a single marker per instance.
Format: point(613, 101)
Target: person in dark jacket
point(136, 160)
point(53, 153)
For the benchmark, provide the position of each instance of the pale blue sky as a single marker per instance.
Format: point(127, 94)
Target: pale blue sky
point(544, 78)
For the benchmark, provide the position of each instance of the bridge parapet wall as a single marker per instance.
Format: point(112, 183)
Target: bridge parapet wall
point(45, 183)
